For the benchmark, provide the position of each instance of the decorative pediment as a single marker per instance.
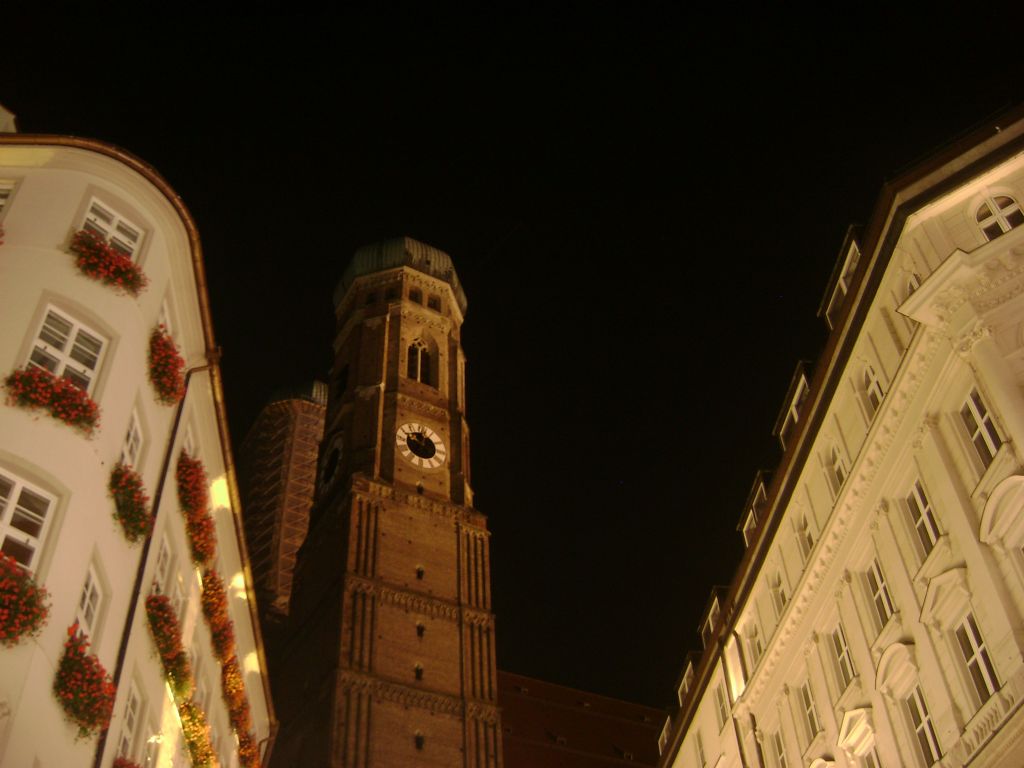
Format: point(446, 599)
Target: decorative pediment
point(1002, 522)
point(897, 671)
point(947, 599)
point(857, 732)
point(821, 762)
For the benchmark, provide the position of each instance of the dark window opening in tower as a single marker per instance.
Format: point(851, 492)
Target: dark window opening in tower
point(434, 303)
point(418, 367)
point(391, 294)
point(416, 295)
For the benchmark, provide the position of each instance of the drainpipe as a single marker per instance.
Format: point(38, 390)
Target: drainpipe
point(133, 604)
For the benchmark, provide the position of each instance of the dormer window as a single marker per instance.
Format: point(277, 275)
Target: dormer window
point(787, 421)
point(843, 280)
point(998, 215)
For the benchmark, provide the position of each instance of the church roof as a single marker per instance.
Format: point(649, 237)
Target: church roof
point(402, 252)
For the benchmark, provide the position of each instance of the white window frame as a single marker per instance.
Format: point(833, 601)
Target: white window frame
point(980, 427)
point(804, 537)
point(777, 589)
point(721, 705)
point(15, 517)
point(871, 388)
point(164, 566)
point(89, 609)
point(837, 469)
point(779, 749)
point(6, 195)
point(1000, 219)
point(112, 226)
point(702, 758)
point(921, 723)
point(976, 658)
point(131, 448)
point(68, 358)
point(754, 644)
point(844, 659)
point(878, 591)
point(809, 711)
point(922, 517)
point(134, 715)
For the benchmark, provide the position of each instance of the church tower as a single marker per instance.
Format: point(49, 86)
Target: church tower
point(391, 660)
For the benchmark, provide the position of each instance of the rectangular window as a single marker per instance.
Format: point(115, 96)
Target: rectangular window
point(65, 347)
point(871, 760)
point(921, 721)
point(25, 514)
point(133, 715)
point(779, 749)
point(162, 574)
point(980, 428)
point(979, 665)
point(778, 593)
point(809, 712)
point(6, 193)
point(123, 236)
point(722, 705)
point(923, 518)
point(756, 647)
point(702, 759)
point(132, 445)
point(844, 662)
point(804, 537)
point(89, 603)
point(880, 593)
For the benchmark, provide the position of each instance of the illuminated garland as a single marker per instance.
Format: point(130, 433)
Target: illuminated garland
point(24, 605)
point(166, 367)
point(34, 387)
point(83, 687)
point(195, 499)
point(96, 259)
point(197, 734)
point(131, 504)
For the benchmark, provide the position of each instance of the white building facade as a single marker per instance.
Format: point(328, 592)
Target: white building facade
point(877, 616)
point(56, 515)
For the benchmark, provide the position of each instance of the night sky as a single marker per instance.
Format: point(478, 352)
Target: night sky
point(643, 206)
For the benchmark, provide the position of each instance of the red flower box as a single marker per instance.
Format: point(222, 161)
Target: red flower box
point(248, 751)
point(163, 624)
point(83, 687)
point(123, 762)
point(96, 259)
point(24, 605)
point(197, 734)
point(194, 497)
point(215, 609)
point(131, 504)
point(166, 367)
point(34, 387)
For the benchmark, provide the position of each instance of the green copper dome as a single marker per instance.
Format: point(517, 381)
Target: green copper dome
point(401, 252)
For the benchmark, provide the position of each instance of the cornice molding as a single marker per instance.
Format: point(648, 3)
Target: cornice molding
point(435, 607)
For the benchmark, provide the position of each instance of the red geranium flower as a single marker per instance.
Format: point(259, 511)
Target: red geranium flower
point(96, 259)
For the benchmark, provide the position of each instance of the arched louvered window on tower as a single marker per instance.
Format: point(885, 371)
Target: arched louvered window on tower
point(420, 363)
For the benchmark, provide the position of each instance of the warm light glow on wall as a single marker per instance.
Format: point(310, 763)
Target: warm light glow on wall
point(251, 663)
point(219, 493)
point(238, 585)
point(26, 156)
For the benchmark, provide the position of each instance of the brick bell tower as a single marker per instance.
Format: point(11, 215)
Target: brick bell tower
point(391, 661)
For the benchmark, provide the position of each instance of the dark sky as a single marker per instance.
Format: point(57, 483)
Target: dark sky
point(643, 206)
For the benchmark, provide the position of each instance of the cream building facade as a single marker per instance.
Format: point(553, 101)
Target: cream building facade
point(877, 616)
point(56, 517)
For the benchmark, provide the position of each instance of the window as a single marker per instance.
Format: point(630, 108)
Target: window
point(870, 760)
point(418, 671)
point(921, 720)
point(880, 593)
point(755, 645)
point(419, 362)
point(67, 348)
point(844, 662)
point(979, 665)
point(998, 215)
point(6, 193)
point(810, 714)
point(415, 294)
point(749, 527)
point(434, 303)
point(980, 428)
point(89, 602)
point(132, 445)
point(698, 744)
point(791, 415)
point(804, 537)
point(162, 574)
point(123, 236)
point(164, 318)
point(130, 724)
point(779, 750)
point(721, 705)
point(25, 514)
point(837, 469)
point(778, 593)
point(872, 391)
point(201, 692)
point(922, 517)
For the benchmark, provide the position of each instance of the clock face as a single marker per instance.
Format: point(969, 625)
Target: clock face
point(421, 446)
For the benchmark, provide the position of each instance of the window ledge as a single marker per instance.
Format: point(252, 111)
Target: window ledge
point(851, 698)
point(936, 562)
point(891, 632)
point(988, 719)
point(1004, 463)
point(817, 747)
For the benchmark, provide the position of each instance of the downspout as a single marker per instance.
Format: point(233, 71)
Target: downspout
point(122, 650)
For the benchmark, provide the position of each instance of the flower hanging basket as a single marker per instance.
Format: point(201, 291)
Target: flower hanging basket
point(163, 624)
point(248, 751)
point(197, 734)
point(37, 388)
point(194, 498)
point(24, 605)
point(131, 504)
point(96, 259)
point(166, 367)
point(83, 687)
point(215, 609)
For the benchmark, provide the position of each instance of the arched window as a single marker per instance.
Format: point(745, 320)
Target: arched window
point(419, 363)
point(998, 215)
